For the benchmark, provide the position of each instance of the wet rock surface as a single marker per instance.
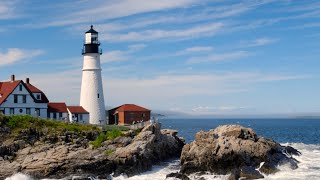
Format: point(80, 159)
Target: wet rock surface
point(237, 150)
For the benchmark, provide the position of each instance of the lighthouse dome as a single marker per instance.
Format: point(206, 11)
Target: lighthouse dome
point(92, 31)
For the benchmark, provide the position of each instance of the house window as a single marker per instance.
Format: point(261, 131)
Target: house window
point(60, 115)
point(28, 111)
point(20, 87)
point(131, 115)
point(80, 117)
point(54, 115)
point(38, 96)
point(37, 111)
point(20, 110)
point(11, 111)
point(24, 99)
point(143, 115)
point(98, 95)
point(15, 98)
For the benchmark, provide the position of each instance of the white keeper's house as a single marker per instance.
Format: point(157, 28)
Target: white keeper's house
point(22, 98)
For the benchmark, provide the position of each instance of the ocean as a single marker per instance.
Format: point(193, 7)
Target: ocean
point(302, 134)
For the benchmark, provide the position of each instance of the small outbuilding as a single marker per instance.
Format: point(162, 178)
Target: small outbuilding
point(77, 114)
point(128, 114)
point(58, 111)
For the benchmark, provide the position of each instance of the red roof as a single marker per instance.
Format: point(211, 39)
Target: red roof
point(131, 107)
point(57, 107)
point(33, 89)
point(6, 88)
point(77, 109)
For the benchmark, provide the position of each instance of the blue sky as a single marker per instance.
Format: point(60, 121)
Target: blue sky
point(208, 57)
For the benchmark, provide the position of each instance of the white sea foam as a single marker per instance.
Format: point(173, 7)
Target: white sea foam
point(309, 168)
point(19, 176)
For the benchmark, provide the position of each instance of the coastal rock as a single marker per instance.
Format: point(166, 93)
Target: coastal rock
point(178, 176)
point(70, 153)
point(237, 150)
point(148, 147)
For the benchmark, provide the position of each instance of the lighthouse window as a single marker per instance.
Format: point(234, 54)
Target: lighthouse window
point(98, 95)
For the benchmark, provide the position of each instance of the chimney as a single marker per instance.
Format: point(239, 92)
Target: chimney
point(28, 81)
point(13, 77)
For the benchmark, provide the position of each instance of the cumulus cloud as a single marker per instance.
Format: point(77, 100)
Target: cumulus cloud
point(14, 55)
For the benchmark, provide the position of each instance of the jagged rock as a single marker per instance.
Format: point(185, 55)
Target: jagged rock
point(148, 147)
point(69, 153)
point(178, 176)
point(232, 147)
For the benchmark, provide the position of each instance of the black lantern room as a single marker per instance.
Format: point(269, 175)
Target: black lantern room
point(91, 44)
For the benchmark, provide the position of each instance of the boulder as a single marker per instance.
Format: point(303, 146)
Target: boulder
point(147, 148)
point(237, 150)
point(178, 176)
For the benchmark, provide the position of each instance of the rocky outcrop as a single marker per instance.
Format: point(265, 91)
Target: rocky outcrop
point(237, 150)
point(150, 146)
point(71, 153)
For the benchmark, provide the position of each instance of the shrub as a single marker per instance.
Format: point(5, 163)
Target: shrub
point(114, 133)
point(98, 141)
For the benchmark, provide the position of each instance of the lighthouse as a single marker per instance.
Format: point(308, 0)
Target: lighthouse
point(91, 98)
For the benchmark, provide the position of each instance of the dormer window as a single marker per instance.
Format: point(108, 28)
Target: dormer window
point(20, 87)
point(38, 96)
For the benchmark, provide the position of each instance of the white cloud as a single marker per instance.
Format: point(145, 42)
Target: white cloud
point(195, 49)
point(259, 42)
point(210, 109)
point(219, 57)
point(118, 55)
point(104, 10)
point(14, 55)
point(147, 90)
point(154, 34)
point(8, 9)
point(114, 56)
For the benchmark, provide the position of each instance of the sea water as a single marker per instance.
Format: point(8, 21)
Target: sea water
point(302, 134)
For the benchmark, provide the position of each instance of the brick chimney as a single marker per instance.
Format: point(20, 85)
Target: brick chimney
point(13, 77)
point(28, 81)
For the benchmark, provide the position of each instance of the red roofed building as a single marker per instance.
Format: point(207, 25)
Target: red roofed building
point(23, 98)
point(78, 114)
point(58, 110)
point(128, 113)
point(17, 97)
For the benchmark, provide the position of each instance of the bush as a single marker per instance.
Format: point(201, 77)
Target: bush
point(114, 133)
point(99, 140)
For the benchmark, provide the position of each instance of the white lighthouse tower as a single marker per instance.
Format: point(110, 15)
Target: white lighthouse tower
point(92, 98)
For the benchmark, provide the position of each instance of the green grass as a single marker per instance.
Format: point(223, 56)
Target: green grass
point(109, 135)
point(108, 152)
point(18, 123)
